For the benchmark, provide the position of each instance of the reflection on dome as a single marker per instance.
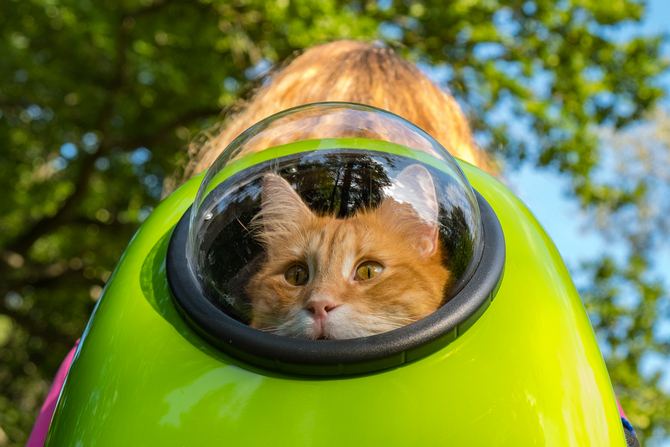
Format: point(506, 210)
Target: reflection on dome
point(337, 183)
point(264, 214)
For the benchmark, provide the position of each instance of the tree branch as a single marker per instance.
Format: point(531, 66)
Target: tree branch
point(44, 277)
point(115, 225)
point(145, 140)
point(46, 225)
point(156, 6)
point(34, 328)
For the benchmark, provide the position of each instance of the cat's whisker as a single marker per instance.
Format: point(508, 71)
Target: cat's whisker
point(240, 222)
point(371, 230)
point(387, 317)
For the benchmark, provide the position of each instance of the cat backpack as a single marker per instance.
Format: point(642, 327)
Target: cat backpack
point(169, 357)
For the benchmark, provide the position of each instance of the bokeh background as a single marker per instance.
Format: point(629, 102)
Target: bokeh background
point(99, 100)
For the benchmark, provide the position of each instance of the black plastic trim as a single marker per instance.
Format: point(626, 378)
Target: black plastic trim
point(336, 357)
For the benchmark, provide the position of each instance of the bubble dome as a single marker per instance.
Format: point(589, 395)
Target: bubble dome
point(340, 159)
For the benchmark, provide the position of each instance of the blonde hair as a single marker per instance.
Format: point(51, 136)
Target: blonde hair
point(357, 72)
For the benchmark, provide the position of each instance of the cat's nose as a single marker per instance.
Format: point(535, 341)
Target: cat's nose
point(321, 308)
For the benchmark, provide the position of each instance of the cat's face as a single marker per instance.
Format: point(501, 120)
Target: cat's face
point(329, 278)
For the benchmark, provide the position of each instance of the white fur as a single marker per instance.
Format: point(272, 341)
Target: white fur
point(344, 322)
point(348, 266)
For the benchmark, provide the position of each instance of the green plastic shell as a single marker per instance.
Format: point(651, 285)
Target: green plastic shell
point(527, 373)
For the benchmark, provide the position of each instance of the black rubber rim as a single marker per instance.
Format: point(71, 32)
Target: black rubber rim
point(337, 357)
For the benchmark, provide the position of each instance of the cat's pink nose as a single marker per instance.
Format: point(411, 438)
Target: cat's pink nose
point(321, 308)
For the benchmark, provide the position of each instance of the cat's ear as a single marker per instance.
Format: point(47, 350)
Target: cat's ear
point(415, 187)
point(282, 210)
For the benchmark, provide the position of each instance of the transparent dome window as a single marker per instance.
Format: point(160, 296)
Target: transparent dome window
point(333, 221)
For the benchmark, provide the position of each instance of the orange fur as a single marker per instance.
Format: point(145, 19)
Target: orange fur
point(411, 286)
point(413, 283)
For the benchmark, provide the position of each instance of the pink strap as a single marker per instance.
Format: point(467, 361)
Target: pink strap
point(39, 433)
point(621, 413)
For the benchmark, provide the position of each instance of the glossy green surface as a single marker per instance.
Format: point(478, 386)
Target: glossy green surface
point(528, 372)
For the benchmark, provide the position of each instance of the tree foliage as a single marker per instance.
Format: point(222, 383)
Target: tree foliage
point(98, 100)
point(627, 300)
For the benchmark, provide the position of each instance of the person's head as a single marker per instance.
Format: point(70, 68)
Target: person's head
point(350, 71)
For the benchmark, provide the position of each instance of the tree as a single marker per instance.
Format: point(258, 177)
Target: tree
point(627, 301)
point(99, 99)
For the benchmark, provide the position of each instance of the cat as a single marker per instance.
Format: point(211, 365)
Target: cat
point(329, 278)
point(358, 72)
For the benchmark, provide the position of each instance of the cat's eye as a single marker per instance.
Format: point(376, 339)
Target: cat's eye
point(368, 270)
point(296, 275)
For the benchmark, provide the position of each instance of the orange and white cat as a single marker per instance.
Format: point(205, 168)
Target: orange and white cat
point(379, 269)
point(329, 278)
